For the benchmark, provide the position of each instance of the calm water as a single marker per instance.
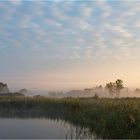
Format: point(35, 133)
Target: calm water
point(40, 128)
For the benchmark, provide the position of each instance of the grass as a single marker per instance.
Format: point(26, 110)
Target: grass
point(107, 118)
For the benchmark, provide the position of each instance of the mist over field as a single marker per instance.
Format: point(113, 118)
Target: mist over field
point(97, 92)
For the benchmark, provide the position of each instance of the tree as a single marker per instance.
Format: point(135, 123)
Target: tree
point(4, 88)
point(115, 88)
point(137, 90)
point(119, 86)
point(100, 87)
point(111, 88)
point(23, 91)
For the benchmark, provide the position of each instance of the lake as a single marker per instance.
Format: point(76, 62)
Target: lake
point(41, 128)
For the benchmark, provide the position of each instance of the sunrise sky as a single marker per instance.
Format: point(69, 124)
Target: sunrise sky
point(62, 45)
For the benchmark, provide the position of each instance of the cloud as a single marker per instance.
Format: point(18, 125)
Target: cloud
point(16, 2)
point(73, 30)
point(53, 23)
point(86, 11)
point(69, 37)
point(105, 8)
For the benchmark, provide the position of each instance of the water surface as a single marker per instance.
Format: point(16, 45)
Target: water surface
point(15, 128)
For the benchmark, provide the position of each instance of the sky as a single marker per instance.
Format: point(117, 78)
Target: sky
point(71, 44)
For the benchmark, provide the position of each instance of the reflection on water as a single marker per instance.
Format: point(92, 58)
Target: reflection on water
point(41, 128)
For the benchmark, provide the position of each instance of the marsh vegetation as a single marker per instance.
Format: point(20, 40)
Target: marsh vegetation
point(107, 118)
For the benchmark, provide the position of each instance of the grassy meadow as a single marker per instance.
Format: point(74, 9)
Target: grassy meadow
point(107, 118)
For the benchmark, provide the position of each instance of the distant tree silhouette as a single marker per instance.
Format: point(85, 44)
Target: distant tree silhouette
point(111, 88)
point(4, 88)
point(115, 88)
point(119, 86)
point(137, 90)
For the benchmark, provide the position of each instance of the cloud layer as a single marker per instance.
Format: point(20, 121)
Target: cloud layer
point(55, 36)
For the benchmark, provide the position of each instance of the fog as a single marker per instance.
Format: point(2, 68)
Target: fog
point(96, 91)
point(89, 92)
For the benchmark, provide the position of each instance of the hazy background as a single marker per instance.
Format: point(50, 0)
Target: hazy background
point(63, 45)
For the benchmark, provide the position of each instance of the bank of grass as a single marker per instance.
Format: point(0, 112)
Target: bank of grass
point(107, 118)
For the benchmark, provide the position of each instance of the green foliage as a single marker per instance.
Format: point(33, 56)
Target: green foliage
point(107, 118)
